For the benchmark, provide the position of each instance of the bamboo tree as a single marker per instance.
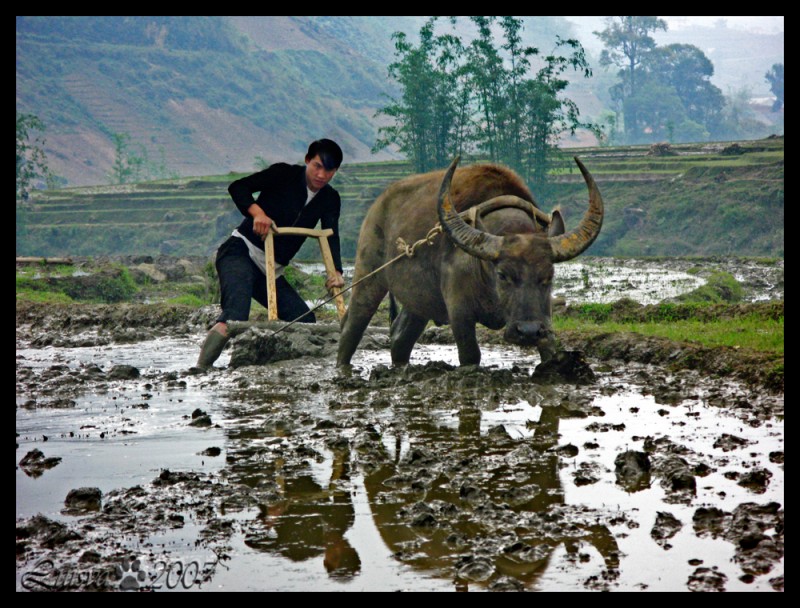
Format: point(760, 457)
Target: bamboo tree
point(430, 117)
point(457, 98)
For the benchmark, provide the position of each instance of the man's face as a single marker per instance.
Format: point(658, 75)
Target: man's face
point(317, 176)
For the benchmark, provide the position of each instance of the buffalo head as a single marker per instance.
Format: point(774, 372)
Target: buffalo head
point(521, 264)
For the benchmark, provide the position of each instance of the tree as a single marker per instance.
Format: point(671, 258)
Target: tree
point(688, 71)
point(523, 114)
point(675, 99)
point(481, 97)
point(132, 162)
point(546, 115)
point(775, 79)
point(430, 117)
point(31, 158)
point(627, 41)
point(121, 170)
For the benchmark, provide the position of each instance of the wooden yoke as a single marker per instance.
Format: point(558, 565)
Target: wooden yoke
point(327, 259)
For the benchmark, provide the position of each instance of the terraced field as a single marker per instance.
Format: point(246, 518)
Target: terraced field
point(696, 199)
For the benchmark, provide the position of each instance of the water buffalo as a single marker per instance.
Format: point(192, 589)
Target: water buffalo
point(497, 272)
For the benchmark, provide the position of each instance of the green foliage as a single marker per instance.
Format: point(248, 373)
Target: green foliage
point(459, 98)
point(114, 285)
point(132, 162)
point(186, 33)
point(188, 299)
point(627, 40)
point(664, 93)
point(775, 79)
point(129, 72)
point(704, 324)
point(30, 293)
point(31, 158)
point(309, 286)
point(720, 287)
point(108, 285)
point(430, 118)
point(697, 202)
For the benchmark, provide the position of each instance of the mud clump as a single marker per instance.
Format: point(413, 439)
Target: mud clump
point(756, 531)
point(754, 368)
point(665, 527)
point(200, 418)
point(124, 372)
point(756, 480)
point(82, 500)
point(260, 344)
point(632, 469)
point(564, 366)
point(34, 463)
point(706, 579)
point(727, 442)
point(45, 532)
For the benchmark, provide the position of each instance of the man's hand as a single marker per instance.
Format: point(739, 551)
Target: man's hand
point(262, 223)
point(335, 282)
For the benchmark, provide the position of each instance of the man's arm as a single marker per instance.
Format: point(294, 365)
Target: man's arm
point(242, 190)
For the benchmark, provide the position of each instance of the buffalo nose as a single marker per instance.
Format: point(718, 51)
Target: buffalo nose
point(528, 330)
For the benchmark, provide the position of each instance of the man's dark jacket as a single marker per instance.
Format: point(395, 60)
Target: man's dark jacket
point(282, 196)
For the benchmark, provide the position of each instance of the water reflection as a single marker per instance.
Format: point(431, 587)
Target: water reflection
point(477, 507)
point(310, 519)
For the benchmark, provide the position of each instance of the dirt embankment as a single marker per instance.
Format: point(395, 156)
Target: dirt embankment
point(89, 325)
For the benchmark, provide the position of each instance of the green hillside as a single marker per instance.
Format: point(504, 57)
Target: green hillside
point(705, 199)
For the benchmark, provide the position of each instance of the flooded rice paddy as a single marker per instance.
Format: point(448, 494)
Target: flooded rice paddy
point(295, 476)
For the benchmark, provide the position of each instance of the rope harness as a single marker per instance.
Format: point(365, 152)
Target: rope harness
point(470, 216)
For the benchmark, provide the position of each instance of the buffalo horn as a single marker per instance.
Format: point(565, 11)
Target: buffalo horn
point(575, 242)
point(475, 242)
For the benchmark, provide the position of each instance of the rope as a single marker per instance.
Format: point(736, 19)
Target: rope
point(405, 251)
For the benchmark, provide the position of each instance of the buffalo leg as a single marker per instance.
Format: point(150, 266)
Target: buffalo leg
point(406, 330)
point(363, 303)
point(469, 353)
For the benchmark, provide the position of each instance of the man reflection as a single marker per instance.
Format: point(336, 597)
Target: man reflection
point(312, 520)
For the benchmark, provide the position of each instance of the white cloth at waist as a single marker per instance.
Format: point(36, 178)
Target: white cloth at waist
point(258, 256)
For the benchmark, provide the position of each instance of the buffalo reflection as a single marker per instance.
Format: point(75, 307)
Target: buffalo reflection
point(479, 507)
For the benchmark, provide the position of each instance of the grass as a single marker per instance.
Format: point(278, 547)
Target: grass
point(753, 332)
point(187, 299)
point(46, 297)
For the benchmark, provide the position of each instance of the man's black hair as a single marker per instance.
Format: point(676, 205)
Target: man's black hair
point(329, 153)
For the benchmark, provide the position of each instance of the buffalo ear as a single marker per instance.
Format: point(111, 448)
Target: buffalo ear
point(557, 227)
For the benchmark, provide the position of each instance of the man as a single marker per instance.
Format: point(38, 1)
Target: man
point(288, 195)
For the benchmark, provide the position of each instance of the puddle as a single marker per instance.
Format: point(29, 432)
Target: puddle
point(603, 280)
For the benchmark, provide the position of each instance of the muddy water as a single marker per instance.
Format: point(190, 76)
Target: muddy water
point(648, 281)
point(426, 478)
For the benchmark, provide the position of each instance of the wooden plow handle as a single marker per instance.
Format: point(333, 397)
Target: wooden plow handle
point(327, 259)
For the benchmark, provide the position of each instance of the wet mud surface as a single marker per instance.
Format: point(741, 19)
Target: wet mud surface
point(276, 471)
